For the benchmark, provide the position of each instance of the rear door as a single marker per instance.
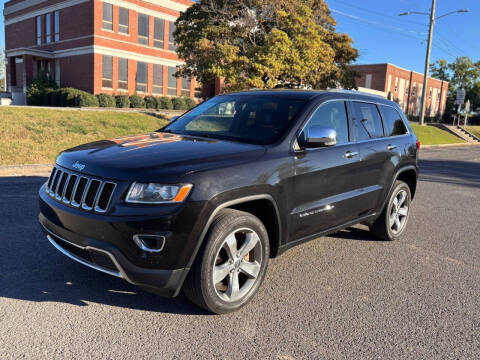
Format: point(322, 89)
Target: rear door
point(374, 173)
point(324, 182)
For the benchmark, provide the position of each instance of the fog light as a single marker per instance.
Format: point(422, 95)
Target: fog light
point(150, 243)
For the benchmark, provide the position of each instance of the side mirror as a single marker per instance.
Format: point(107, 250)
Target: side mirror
point(173, 118)
point(318, 136)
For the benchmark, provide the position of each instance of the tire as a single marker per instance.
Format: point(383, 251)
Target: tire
point(385, 227)
point(224, 258)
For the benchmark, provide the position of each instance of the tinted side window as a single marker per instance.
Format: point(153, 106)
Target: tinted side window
point(393, 122)
point(367, 124)
point(331, 115)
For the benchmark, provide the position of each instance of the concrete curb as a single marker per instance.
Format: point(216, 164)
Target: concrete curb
point(447, 145)
point(26, 170)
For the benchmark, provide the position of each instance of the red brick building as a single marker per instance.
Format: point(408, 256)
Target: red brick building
point(100, 46)
point(404, 86)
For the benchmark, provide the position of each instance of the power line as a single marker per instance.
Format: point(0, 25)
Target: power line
point(399, 31)
point(369, 11)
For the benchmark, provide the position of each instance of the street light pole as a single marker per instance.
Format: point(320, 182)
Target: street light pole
point(427, 63)
point(429, 48)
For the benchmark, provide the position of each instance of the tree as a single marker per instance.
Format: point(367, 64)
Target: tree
point(440, 70)
point(264, 44)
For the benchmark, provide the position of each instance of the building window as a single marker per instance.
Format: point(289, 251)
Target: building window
point(142, 76)
point(159, 30)
point(123, 20)
point(186, 86)
point(407, 88)
point(414, 88)
point(122, 74)
point(396, 84)
point(48, 28)
point(56, 25)
point(143, 29)
point(172, 81)
point(430, 94)
point(171, 42)
point(368, 81)
point(39, 30)
point(107, 65)
point(157, 79)
point(107, 23)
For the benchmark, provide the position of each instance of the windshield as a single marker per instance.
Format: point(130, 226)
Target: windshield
point(256, 119)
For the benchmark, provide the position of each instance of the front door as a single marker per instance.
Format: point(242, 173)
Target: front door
point(324, 183)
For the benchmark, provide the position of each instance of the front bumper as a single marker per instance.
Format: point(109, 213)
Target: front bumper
point(106, 258)
point(105, 243)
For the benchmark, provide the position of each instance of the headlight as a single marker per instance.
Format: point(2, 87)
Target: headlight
point(152, 193)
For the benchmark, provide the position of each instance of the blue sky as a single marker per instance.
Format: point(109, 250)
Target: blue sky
point(381, 35)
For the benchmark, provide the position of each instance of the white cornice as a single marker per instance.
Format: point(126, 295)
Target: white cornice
point(169, 4)
point(43, 10)
point(94, 49)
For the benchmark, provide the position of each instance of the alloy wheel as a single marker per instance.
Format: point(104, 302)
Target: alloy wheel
point(237, 264)
point(398, 212)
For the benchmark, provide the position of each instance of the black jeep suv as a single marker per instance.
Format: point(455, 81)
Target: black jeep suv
point(203, 203)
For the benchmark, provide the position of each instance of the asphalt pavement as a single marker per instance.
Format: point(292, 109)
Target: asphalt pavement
point(344, 296)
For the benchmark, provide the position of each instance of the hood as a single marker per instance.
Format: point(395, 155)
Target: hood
point(155, 157)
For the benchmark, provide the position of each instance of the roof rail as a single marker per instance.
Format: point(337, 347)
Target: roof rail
point(356, 92)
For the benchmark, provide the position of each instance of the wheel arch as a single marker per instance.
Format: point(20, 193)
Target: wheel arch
point(409, 176)
point(254, 205)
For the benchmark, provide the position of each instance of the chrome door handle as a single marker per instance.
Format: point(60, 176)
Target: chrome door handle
point(351, 154)
point(391, 147)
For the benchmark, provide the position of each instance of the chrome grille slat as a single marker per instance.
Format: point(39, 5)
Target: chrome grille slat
point(62, 181)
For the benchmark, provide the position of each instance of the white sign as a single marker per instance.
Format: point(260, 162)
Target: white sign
point(467, 107)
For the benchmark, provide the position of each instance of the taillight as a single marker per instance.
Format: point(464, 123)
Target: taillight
point(418, 144)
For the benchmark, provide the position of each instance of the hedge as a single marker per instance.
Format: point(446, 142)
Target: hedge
point(122, 101)
point(190, 103)
point(85, 99)
point(106, 100)
point(137, 102)
point(150, 102)
point(164, 103)
point(179, 103)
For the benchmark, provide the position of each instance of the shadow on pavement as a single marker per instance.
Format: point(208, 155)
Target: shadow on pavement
point(463, 173)
point(31, 269)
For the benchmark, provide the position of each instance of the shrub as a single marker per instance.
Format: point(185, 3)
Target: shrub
point(68, 97)
point(190, 103)
point(106, 100)
point(179, 103)
point(122, 101)
point(150, 102)
point(85, 99)
point(34, 95)
point(36, 91)
point(137, 102)
point(164, 103)
point(54, 97)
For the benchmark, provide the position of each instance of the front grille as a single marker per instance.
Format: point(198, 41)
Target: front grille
point(79, 191)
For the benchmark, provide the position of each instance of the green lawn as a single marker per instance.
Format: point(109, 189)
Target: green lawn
point(36, 136)
point(430, 135)
point(475, 130)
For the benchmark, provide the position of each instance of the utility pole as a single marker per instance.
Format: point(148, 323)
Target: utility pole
point(429, 48)
point(427, 63)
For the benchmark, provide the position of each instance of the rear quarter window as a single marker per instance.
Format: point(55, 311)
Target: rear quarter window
point(394, 125)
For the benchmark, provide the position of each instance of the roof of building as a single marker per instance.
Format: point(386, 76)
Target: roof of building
point(398, 67)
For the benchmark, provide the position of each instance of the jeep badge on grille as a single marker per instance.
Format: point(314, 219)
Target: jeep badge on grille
point(78, 166)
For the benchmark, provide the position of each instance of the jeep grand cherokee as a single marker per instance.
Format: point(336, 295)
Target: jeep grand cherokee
point(203, 203)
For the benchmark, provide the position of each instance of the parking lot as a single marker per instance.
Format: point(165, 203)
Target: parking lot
point(344, 296)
